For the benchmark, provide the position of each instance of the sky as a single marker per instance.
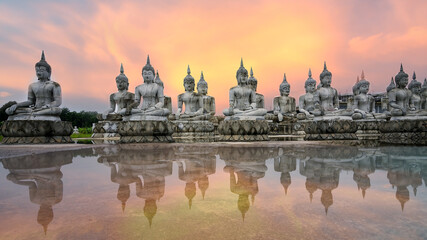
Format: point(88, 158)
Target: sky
point(85, 42)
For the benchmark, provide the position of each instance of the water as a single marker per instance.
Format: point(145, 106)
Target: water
point(216, 191)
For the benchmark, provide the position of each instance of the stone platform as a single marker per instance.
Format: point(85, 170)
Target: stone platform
point(193, 131)
point(404, 131)
point(243, 130)
point(106, 129)
point(367, 129)
point(36, 132)
point(330, 129)
point(147, 131)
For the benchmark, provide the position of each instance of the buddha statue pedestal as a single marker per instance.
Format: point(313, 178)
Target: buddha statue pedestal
point(243, 130)
point(107, 128)
point(36, 131)
point(330, 130)
point(146, 131)
point(404, 131)
point(367, 129)
point(193, 131)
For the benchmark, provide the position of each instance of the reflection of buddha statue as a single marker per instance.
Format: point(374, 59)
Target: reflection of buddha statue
point(208, 101)
point(121, 101)
point(42, 175)
point(168, 100)
point(363, 103)
point(242, 99)
point(284, 164)
point(284, 105)
point(193, 101)
point(152, 95)
point(44, 97)
point(361, 171)
point(309, 103)
point(253, 83)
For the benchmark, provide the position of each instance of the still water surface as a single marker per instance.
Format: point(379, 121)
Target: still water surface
point(216, 192)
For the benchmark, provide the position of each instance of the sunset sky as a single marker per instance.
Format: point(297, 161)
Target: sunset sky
point(85, 42)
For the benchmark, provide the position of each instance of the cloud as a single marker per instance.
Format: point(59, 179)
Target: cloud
point(4, 94)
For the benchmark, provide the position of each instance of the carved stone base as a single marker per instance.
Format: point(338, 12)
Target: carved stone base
point(367, 129)
point(145, 131)
point(243, 130)
point(410, 138)
point(36, 131)
point(404, 131)
point(330, 130)
point(281, 128)
point(193, 126)
point(106, 129)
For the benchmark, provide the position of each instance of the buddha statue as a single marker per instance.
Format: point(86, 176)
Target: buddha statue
point(168, 100)
point(44, 97)
point(424, 95)
point(399, 96)
point(208, 101)
point(253, 83)
point(283, 104)
point(152, 95)
point(384, 100)
point(415, 100)
point(309, 103)
point(242, 99)
point(121, 101)
point(193, 101)
point(363, 103)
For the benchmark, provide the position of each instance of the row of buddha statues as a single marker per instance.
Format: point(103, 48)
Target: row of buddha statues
point(44, 98)
point(244, 167)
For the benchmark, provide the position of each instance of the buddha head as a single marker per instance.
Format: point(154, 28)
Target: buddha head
point(189, 81)
point(391, 85)
point(242, 74)
point(325, 77)
point(43, 69)
point(362, 86)
point(252, 81)
point(202, 85)
point(284, 87)
point(401, 78)
point(310, 83)
point(148, 72)
point(158, 81)
point(121, 80)
point(414, 85)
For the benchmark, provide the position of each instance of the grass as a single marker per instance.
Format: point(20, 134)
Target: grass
point(81, 135)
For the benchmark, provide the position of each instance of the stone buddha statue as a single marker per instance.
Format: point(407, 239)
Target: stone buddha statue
point(120, 102)
point(328, 95)
point(193, 101)
point(415, 100)
point(253, 83)
point(399, 96)
point(363, 103)
point(208, 101)
point(242, 99)
point(424, 95)
point(309, 103)
point(44, 97)
point(168, 100)
point(283, 104)
point(152, 95)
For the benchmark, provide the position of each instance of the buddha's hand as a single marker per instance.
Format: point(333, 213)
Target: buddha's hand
point(158, 105)
point(11, 109)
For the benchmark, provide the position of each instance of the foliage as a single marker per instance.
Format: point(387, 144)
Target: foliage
point(85, 130)
point(80, 119)
point(81, 135)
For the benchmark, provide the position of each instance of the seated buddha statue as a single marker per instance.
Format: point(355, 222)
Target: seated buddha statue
point(242, 99)
point(283, 104)
point(168, 100)
point(121, 101)
point(309, 103)
point(424, 95)
point(151, 94)
point(253, 83)
point(363, 103)
point(208, 101)
point(399, 96)
point(44, 97)
point(193, 101)
point(415, 100)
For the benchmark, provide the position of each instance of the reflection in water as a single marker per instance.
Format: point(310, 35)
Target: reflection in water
point(199, 163)
point(285, 163)
point(42, 176)
point(249, 166)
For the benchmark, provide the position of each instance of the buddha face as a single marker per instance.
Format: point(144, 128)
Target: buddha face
point(310, 87)
point(202, 89)
point(42, 72)
point(285, 90)
point(402, 82)
point(148, 76)
point(122, 84)
point(326, 81)
point(189, 86)
point(242, 79)
point(253, 85)
point(364, 88)
point(416, 90)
